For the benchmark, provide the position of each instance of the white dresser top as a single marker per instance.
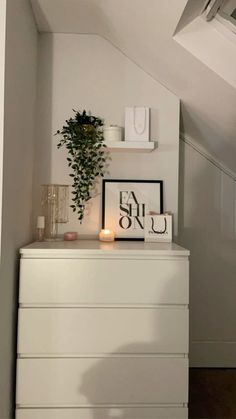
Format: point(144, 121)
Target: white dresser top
point(95, 248)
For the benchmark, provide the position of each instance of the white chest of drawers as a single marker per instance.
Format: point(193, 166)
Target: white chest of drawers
point(103, 331)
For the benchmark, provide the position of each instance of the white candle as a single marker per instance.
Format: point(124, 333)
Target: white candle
point(40, 221)
point(106, 235)
point(112, 133)
point(40, 228)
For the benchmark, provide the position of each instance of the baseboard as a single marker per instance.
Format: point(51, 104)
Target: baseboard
point(213, 354)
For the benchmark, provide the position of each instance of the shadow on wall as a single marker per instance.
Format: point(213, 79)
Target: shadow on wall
point(139, 372)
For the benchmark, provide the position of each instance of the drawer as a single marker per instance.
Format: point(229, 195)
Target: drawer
point(95, 381)
point(108, 413)
point(63, 331)
point(103, 281)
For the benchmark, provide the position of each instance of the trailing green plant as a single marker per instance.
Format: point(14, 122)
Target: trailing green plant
point(83, 138)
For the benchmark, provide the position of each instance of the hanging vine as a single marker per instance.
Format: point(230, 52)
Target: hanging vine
point(83, 138)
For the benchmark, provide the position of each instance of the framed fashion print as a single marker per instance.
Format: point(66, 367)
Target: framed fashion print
point(125, 204)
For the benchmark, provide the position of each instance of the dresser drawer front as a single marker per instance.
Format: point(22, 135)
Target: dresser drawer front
point(103, 281)
point(102, 330)
point(101, 413)
point(94, 381)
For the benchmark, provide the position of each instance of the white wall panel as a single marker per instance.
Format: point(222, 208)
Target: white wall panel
point(227, 207)
point(207, 228)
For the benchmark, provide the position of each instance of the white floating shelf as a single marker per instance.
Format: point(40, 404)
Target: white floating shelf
point(135, 146)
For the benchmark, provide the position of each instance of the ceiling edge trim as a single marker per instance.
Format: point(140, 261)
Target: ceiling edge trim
point(203, 151)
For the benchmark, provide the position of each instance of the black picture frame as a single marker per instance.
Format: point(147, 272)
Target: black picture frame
point(137, 233)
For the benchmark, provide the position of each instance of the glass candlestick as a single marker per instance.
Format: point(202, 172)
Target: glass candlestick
point(55, 205)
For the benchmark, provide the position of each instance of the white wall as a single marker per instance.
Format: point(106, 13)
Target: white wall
point(143, 30)
point(85, 71)
point(20, 94)
point(207, 224)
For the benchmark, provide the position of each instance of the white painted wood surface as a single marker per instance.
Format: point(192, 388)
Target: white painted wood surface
point(87, 331)
point(227, 207)
point(103, 328)
point(207, 226)
point(107, 413)
point(134, 146)
point(96, 249)
point(94, 381)
point(102, 281)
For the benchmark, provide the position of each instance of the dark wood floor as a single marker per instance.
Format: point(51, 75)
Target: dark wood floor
point(212, 393)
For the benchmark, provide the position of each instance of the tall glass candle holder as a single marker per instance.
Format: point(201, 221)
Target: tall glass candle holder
point(55, 205)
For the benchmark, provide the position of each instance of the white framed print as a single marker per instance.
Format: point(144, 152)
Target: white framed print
point(125, 204)
point(158, 228)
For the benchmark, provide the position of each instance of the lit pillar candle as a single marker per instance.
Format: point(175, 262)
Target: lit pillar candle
point(106, 235)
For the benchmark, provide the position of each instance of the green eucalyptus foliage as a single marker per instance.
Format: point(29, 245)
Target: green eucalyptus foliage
point(83, 138)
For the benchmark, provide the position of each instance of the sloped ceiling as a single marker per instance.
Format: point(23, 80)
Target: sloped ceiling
point(143, 30)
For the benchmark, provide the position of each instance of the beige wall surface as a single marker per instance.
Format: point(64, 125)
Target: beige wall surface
point(20, 94)
point(207, 225)
point(2, 88)
point(86, 71)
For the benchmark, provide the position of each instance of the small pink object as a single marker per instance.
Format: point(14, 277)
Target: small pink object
point(70, 235)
